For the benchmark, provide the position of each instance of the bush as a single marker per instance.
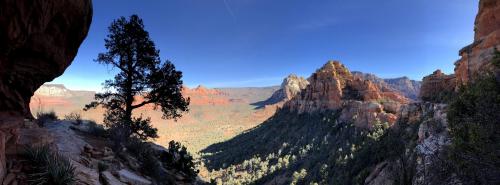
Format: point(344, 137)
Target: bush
point(74, 117)
point(49, 168)
point(177, 157)
point(474, 120)
point(148, 158)
point(45, 117)
point(96, 130)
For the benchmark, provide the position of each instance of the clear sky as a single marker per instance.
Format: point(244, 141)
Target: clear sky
point(237, 43)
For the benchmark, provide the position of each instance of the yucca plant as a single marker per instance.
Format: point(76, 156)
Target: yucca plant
point(49, 168)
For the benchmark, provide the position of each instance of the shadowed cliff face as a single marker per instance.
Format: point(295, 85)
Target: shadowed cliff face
point(38, 41)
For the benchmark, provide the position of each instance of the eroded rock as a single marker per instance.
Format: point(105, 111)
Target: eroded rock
point(476, 58)
point(437, 86)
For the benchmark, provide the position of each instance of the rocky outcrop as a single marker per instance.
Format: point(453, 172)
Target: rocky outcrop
point(38, 41)
point(476, 58)
point(437, 86)
point(332, 85)
point(407, 87)
point(423, 161)
point(366, 114)
point(291, 86)
point(404, 86)
point(361, 101)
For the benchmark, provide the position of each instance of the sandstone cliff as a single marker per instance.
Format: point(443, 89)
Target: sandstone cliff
point(38, 41)
point(476, 58)
point(437, 86)
point(360, 100)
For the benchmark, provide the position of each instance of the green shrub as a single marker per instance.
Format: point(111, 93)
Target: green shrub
point(48, 167)
point(148, 158)
point(96, 129)
point(45, 117)
point(102, 166)
point(496, 58)
point(474, 121)
point(74, 117)
point(177, 157)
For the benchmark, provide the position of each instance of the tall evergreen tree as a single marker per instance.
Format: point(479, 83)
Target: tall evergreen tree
point(142, 79)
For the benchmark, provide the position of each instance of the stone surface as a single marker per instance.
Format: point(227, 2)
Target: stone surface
point(436, 86)
point(129, 177)
point(30, 137)
point(110, 179)
point(9, 179)
point(366, 114)
point(475, 58)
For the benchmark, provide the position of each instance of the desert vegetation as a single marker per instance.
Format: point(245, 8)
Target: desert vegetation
point(49, 167)
point(312, 149)
point(474, 117)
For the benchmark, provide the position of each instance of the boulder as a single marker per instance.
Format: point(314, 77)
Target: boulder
point(129, 177)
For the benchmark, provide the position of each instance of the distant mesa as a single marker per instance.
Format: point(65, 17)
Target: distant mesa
point(59, 90)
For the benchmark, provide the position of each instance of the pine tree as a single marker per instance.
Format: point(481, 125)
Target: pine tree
point(141, 79)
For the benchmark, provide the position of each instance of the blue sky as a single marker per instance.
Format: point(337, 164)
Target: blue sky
point(241, 43)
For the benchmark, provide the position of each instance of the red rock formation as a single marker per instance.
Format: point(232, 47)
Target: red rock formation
point(476, 58)
point(333, 84)
point(437, 85)
point(333, 87)
point(325, 90)
point(204, 96)
point(38, 41)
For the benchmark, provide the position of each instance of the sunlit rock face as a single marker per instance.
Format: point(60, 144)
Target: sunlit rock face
point(38, 41)
point(476, 58)
point(437, 85)
point(360, 101)
point(291, 86)
point(325, 90)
